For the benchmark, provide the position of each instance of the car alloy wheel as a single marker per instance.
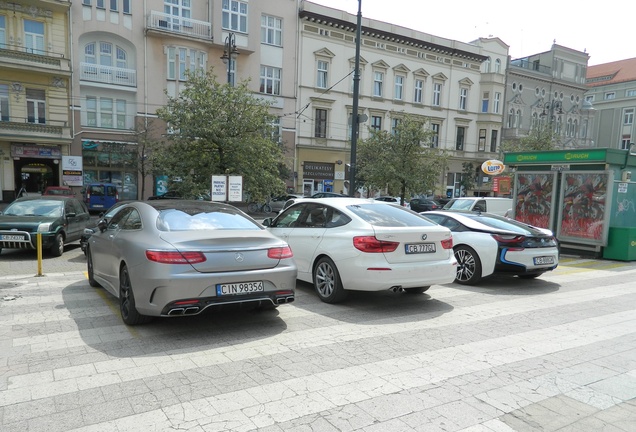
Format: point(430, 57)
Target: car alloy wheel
point(468, 266)
point(127, 307)
point(90, 270)
point(327, 281)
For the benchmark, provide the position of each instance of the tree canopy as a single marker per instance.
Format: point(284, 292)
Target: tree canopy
point(401, 160)
point(217, 129)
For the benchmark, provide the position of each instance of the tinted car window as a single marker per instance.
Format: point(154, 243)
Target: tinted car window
point(289, 217)
point(119, 219)
point(503, 224)
point(388, 215)
point(179, 220)
point(132, 222)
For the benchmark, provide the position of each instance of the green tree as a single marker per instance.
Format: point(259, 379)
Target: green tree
point(401, 160)
point(219, 129)
point(541, 137)
point(468, 176)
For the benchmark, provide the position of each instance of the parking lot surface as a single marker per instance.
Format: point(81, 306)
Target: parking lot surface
point(553, 354)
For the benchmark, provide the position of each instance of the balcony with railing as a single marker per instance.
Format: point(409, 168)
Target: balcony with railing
point(28, 128)
point(108, 74)
point(162, 22)
point(21, 57)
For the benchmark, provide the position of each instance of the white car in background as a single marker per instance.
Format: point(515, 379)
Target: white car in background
point(487, 244)
point(348, 244)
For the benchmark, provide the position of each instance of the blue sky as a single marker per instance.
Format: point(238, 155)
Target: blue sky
point(528, 28)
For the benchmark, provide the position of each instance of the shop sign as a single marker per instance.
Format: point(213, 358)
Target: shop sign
point(493, 167)
point(35, 151)
point(318, 170)
point(72, 172)
point(556, 157)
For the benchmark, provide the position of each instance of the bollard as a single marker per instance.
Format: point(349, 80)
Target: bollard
point(39, 247)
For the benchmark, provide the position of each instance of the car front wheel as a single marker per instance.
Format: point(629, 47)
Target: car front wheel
point(89, 262)
point(468, 266)
point(127, 307)
point(57, 248)
point(327, 281)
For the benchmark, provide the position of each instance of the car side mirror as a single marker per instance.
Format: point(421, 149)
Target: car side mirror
point(71, 215)
point(267, 222)
point(102, 224)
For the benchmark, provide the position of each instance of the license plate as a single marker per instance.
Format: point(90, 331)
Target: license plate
point(239, 288)
point(543, 260)
point(98, 205)
point(417, 248)
point(10, 237)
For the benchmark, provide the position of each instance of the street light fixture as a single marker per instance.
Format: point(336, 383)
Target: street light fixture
point(229, 54)
point(355, 119)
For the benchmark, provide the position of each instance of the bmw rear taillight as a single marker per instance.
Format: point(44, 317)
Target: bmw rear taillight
point(447, 244)
point(280, 252)
point(370, 244)
point(511, 241)
point(175, 257)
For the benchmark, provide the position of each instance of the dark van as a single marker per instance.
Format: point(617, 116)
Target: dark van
point(100, 196)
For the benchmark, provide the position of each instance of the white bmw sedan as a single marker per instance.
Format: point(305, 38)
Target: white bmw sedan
point(348, 244)
point(487, 244)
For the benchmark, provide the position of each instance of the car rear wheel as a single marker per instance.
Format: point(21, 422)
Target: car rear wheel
point(57, 248)
point(127, 307)
point(327, 281)
point(418, 290)
point(89, 262)
point(529, 276)
point(468, 266)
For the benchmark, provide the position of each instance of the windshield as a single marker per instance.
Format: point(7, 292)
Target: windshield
point(459, 204)
point(388, 215)
point(178, 220)
point(39, 207)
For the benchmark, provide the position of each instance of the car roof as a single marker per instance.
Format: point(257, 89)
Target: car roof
point(472, 219)
point(342, 202)
point(47, 197)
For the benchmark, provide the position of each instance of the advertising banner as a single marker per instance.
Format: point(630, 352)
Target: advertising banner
point(534, 198)
point(72, 171)
point(583, 215)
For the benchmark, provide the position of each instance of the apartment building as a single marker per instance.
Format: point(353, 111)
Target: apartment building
point(612, 92)
point(131, 55)
point(458, 86)
point(549, 89)
point(35, 83)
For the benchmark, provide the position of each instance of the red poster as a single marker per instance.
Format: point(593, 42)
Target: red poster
point(583, 205)
point(534, 199)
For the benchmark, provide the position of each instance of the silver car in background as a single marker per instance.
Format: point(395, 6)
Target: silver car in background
point(180, 257)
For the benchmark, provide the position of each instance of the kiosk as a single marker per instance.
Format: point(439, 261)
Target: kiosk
point(586, 197)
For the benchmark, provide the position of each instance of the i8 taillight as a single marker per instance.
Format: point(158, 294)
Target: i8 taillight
point(370, 244)
point(280, 252)
point(509, 240)
point(175, 257)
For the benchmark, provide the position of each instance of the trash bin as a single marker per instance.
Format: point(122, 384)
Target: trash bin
point(621, 244)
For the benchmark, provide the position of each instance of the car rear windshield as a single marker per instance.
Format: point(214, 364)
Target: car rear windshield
point(39, 207)
point(178, 220)
point(459, 204)
point(388, 215)
point(505, 224)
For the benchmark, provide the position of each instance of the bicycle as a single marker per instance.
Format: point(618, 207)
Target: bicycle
point(255, 207)
point(22, 192)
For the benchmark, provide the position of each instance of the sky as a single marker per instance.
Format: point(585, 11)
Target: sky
point(606, 34)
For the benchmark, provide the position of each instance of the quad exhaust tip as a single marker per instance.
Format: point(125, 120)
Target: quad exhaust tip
point(396, 289)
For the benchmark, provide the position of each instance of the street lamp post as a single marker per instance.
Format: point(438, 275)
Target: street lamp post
point(550, 108)
point(229, 54)
point(355, 121)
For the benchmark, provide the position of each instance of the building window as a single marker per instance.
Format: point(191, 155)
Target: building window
point(497, 66)
point(3, 32)
point(435, 135)
point(34, 36)
point(463, 97)
point(630, 93)
point(518, 119)
point(482, 140)
point(484, 102)
point(270, 80)
point(493, 140)
point(589, 98)
point(395, 122)
point(106, 112)
point(487, 65)
point(437, 94)
point(376, 123)
point(497, 102)
point(378, 81)
point(583, 131)
point(459, 142)
point(113, 5)
point(126, 7)
point(276, 130)
point(179, 12)
point(271, 30)
point(609, 96)
point(100, 4)
point(86, 2)
point(322, 77)
point(417, 97)
point(626, 142)
point(568, 127)
point(628, 117)
point(511, 119)
point(91, 111)
point(4, 102)
point(535, 121)
point(186, 59)
point(234, 15)
point(321, 123)
point(399, 87)
point(121, 114)
point(36, 106)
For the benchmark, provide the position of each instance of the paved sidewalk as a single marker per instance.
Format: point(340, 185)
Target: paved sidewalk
point(558, 354)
